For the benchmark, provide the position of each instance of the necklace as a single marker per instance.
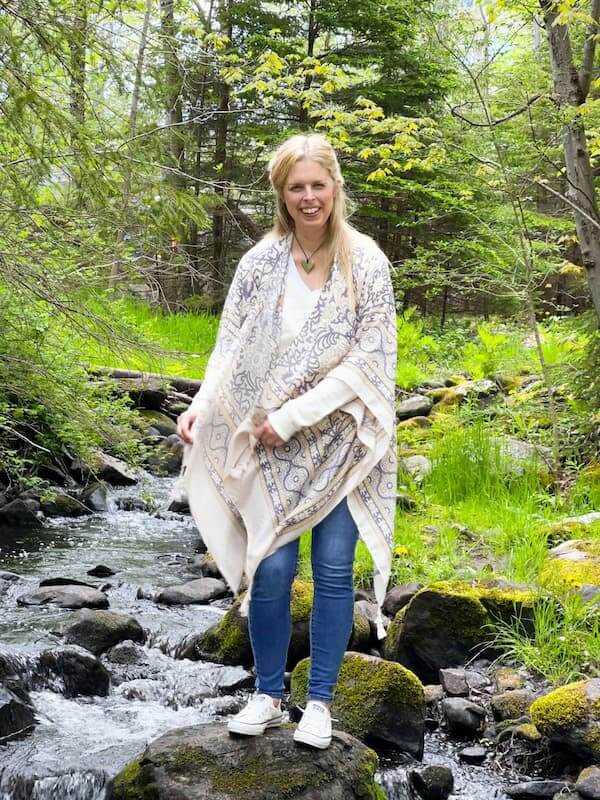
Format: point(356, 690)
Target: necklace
point(307, 263)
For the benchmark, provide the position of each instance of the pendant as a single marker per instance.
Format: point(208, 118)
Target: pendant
point(308, 265)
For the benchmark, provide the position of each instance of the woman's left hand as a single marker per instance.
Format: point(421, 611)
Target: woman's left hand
point(267, 436)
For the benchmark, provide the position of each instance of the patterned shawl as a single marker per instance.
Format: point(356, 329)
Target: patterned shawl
point(247, 499)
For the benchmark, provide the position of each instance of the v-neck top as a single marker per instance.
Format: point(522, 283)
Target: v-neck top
point(298, 302)
point(315, 404)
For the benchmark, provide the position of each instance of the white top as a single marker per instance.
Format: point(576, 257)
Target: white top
point(309, 408)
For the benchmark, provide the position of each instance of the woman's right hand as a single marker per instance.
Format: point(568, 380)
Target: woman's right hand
point(185, 423)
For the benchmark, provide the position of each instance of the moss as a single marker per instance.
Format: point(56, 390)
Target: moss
point(364, 686)
point(527, 731)
point(228, 639)
point(301, 600)
point(133, 784)
point(561, 709)
point(361, 632)
point(561, 575)
point(414, 423)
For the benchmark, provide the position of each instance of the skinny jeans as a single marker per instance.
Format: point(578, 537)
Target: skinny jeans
point(269, 616)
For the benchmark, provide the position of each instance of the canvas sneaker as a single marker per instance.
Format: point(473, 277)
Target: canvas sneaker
point(258, 715)
point(315, 726)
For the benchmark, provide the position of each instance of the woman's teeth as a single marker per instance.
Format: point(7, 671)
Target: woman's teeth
point(309, 211)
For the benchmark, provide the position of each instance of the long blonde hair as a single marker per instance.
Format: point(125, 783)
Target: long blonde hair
point(339, 235)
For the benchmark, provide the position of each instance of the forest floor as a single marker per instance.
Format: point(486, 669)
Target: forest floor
point(476, 505)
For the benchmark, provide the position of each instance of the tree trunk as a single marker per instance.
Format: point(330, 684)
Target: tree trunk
point(77, 76)
point(116, 272)
point(310, 50)
point(571, 90)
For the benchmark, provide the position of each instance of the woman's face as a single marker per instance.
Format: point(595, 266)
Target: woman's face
point(308, 196)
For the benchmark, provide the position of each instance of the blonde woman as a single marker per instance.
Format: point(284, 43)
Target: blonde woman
point(293, 429)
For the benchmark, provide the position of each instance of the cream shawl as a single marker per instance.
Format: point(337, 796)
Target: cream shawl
point(248, 500)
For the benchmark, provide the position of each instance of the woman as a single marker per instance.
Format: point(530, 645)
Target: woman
point(293, 429)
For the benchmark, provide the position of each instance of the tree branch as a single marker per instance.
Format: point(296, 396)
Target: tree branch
point(494, 122)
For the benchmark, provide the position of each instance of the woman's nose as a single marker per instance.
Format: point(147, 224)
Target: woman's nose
point(308, 192)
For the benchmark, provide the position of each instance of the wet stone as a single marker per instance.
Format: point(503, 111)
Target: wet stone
point(454, 682)
point(432, 782)
point(531, 790)
point(463, 717)
point(101, 571)
point(508, 678)
point(434, 692)
point(72, 671)
point(202, 590)
point(65, 597)
point(131, 503)
point(16, 717)
point(511, 705)
point(588, 783)
point(97, 631)
point(398, 597)
point(473, 755)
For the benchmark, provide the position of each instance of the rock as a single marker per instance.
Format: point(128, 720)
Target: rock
point(204, 761)
point(473, 755)
point(530, 790)
point(446, 621)
point(463, 717)
point(131, 503)
point(519, 454)
point(527, 731)
point(571, 566)
point(112, 470)
point(416, 406)
point(26, 513)
point(78, 671)
point(508, 678)
point(369, 611)
point(570, 718)
point(100, 571)
point(63, 505)
point(405, 502)
point(10, 577)
point(360, 637)
point(98, 631)
point(414, 423)
point(65, 597)
point(228, 642)
point(156, 419)
point(64, 582)
point(512, 705)
point(202, 590)
point(457, 392)
point(454, 682)
point(432, 782)
point(419, 467)
point(167, 457)
point(205, 565)
point(95, 497)
point(398, 597)
point(16, 717)
point(375, 700)
point(588, 783)
point(434, 692)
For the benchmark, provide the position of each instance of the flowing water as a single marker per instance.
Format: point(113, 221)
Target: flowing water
point(81, 743)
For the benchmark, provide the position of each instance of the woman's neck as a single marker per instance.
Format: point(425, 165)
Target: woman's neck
point(311, 239)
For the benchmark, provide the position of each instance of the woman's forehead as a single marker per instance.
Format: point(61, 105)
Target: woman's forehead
point(305, 171)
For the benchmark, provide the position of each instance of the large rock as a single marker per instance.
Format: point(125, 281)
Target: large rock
point(588, 783)
point(16, 716)
point(447, 621)
point(570, 717)
point(62, 504)
point(72, 669)
point(416, 406)
point(166, 457)
point(202, 590)
point(65, 597)
point(25, 513)
point(205, 763)
point(95, 497)
point(156, 419)
point(572, 566)
point(98, 631)
point(228, 642)
point(375, 700)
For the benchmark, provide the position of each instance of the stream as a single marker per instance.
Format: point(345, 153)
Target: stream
point(81, 743)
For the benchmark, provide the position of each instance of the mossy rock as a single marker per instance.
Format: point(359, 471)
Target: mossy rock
point(360, 637)
point(228, 641)
point(375, 700)
point(562, 575)
point(570, 718)
point(447, 622)
point(156, 419)
point(204, 761)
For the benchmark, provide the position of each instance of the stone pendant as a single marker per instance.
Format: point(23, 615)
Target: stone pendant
point(308, 265)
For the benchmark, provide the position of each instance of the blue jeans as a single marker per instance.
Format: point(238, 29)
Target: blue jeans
point(269, 618)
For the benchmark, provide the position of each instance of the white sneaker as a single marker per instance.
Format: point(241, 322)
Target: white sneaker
point(315, 726)
point(258, 715)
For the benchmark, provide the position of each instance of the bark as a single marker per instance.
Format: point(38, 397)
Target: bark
point(571, 89)
point(310, 51)
point(77, 79)
point(117, 268)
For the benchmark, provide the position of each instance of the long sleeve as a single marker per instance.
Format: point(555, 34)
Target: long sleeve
point(308, 409)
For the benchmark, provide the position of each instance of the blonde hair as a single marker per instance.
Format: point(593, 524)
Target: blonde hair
point(339, 235)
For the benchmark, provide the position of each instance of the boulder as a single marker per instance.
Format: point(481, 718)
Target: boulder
point(166, 457)
point(98, 631)
point(131, 503)
point(26, 513)
point(399, 596)
point(433, 782)
point(62, 504)
point(375, 700)
point(570, 717)
point(205, 565)
point(202, 590)
point(418, 467)
point(206, 763)
point(16, 716)
point(573, 565)
point(9, 577)
point(447, 621)
point(101, 571)
point(532, 790)
point(416, 406)
point(156, 419)
point(95, 496)
point(228, 642)
point(65, 597)
point(463, 717)
point(588, 783)
point(360, 638)
point(74, 670)
point(512, 705)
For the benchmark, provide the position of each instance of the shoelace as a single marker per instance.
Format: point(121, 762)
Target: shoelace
point(333, 719)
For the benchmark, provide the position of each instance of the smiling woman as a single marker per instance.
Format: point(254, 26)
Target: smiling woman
point(293, 429)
